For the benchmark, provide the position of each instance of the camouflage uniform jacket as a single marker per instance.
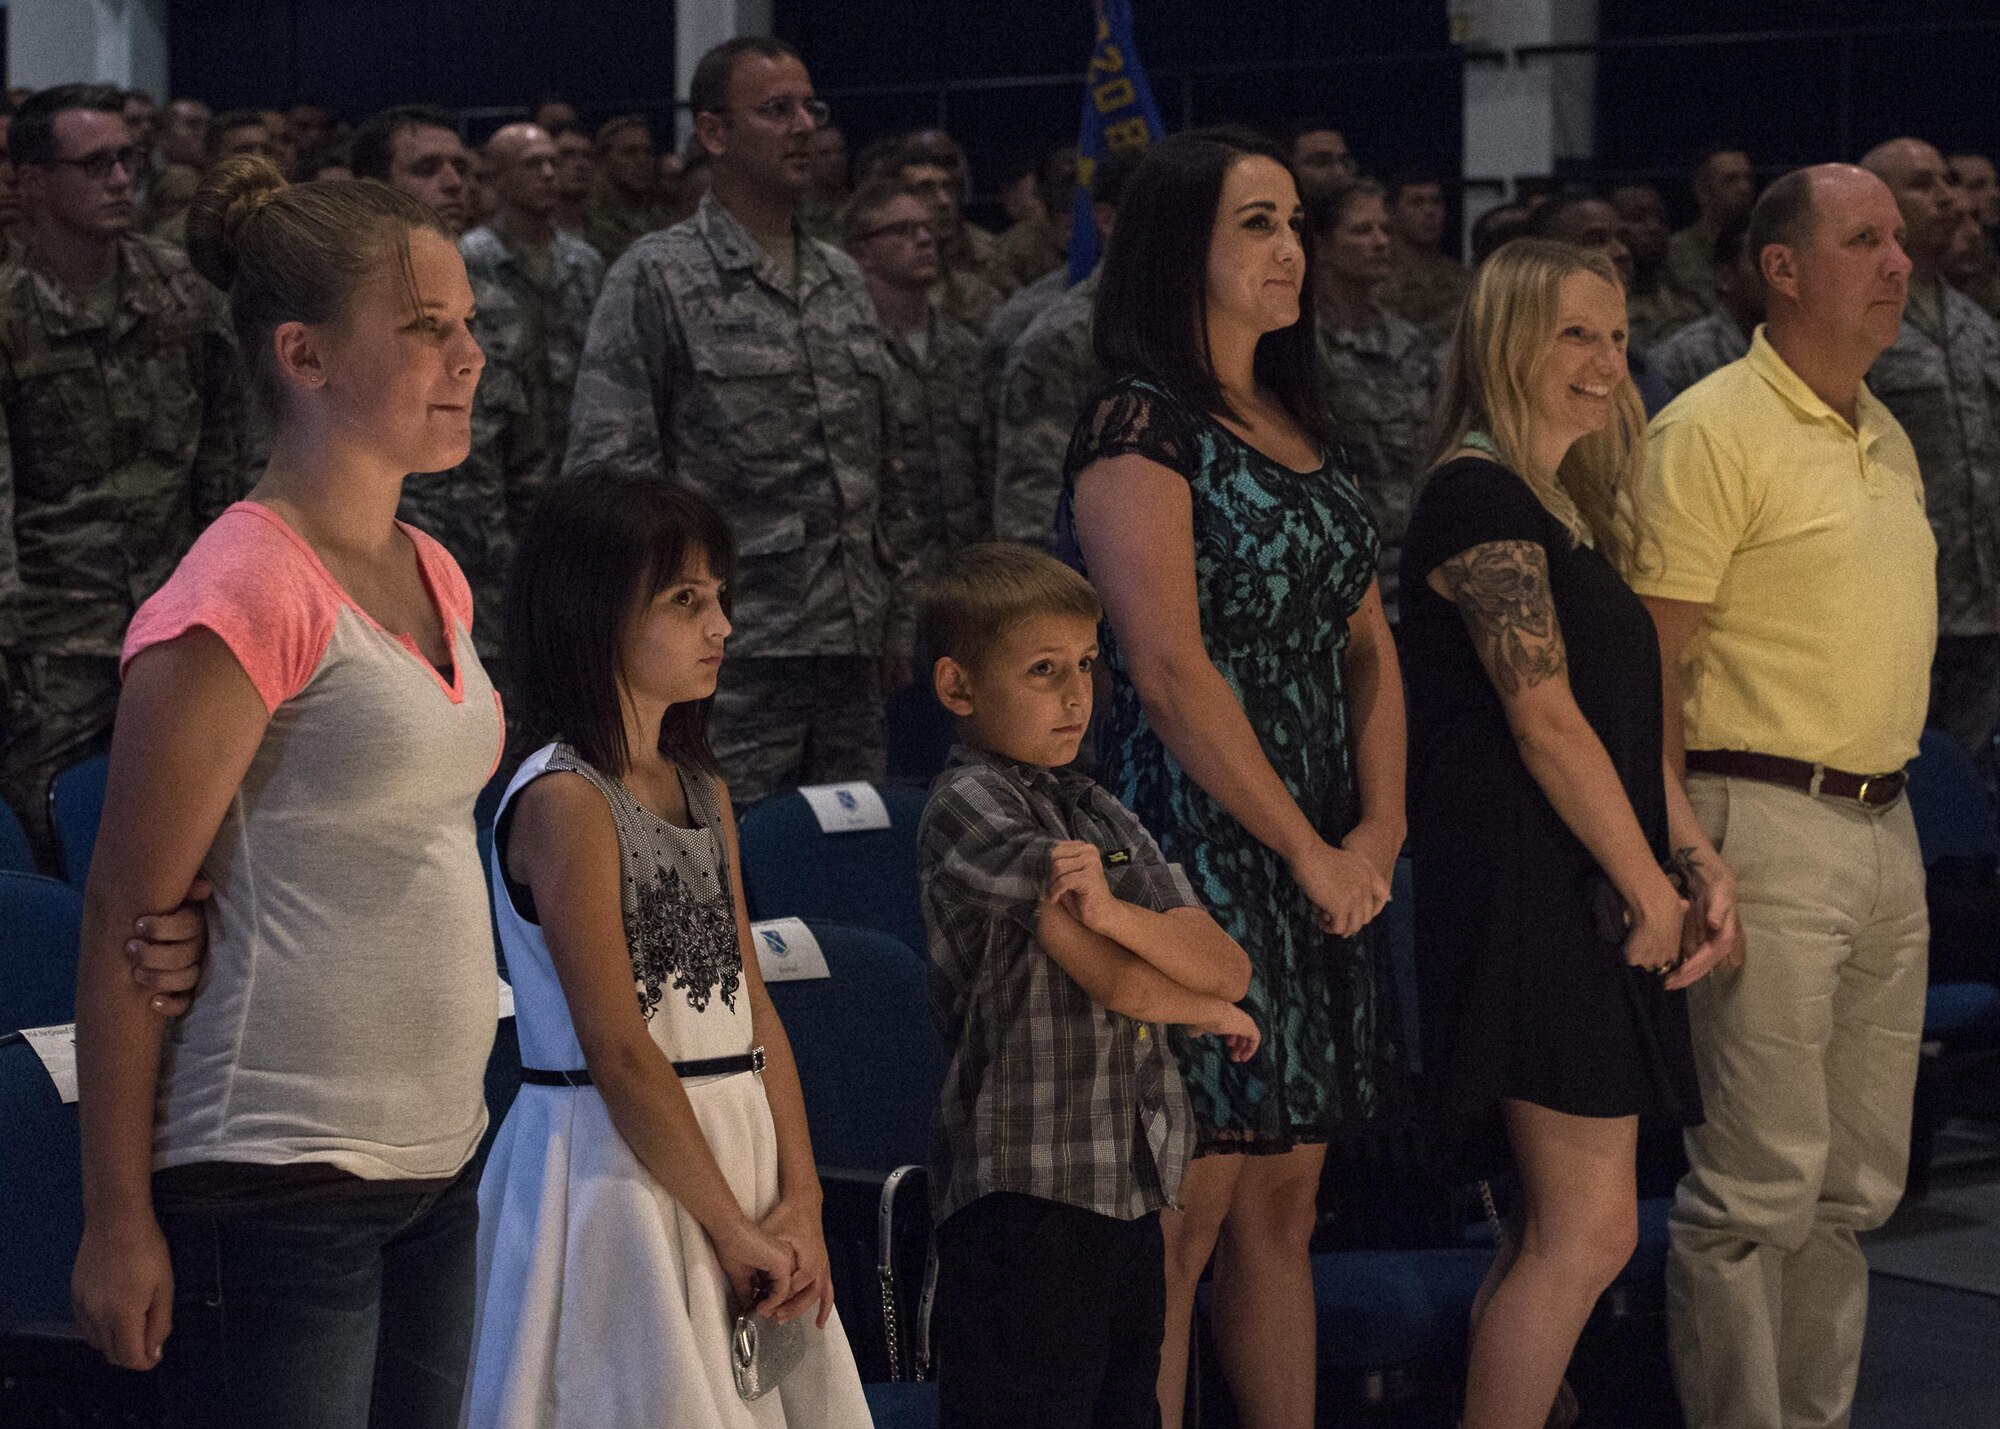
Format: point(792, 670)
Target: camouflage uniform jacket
point(819, 214)
point(1050, 374)
point(1983, 286)
point(1943, 385)
point(966, 298)
point(1006, 326)
point(614, 220)
point(121, 442)
point(1691, 265)
point(1024, 253)
point(1699, 349)
point(540, 329)
point(943, 435)
point(1382, 385)
point(704, 366)
point(1425, 290)
point(477, 509)
point(1659, 313)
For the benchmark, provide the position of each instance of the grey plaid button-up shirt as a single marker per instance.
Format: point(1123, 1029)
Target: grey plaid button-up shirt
point(1047, 1094)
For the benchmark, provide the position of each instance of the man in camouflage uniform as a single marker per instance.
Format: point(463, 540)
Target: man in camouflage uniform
point(1425, 285)
point(626, 205)
point(1050, 374)
point(739, 356)
point(941, 425)
point(1654, 307)
point(826, 195)
point(1724, 187)
point(1380, 373)
point(965, 287)
point(1978, 275)
point(548, 277)
point(1042, 378)
point(120, 435)
point(1941, 379)
point(475, 509)
point(1719, 339)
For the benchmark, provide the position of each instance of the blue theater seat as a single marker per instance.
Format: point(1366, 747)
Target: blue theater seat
point(76, 804)
point(16, 855)
point(865, 880)
point(40, 923)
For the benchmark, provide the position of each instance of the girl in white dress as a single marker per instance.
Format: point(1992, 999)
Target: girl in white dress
point(648, 1183)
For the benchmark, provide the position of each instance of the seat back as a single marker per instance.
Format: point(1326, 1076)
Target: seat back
point(869, 1060)
point(76, 805)
point(17, 855)
point(1948, 799)
point(41, 1187)
point(921, 731)
point(865, 880)
point(41, 922)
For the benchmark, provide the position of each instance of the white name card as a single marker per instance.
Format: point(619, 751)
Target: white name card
point(506, 999)
point(847, 808)
point(56, 1046)
point(787, 951)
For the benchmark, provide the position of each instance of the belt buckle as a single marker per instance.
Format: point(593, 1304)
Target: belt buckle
point(757, 1059)
point(1861, 794)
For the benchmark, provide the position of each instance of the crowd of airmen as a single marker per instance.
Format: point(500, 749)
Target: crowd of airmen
point(863, 377)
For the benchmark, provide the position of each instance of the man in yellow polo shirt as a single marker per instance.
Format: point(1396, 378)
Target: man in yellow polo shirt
point(1792, 574)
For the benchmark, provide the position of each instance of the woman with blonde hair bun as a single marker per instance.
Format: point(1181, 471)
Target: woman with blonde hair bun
point(1565, 896)
point(277, 1208)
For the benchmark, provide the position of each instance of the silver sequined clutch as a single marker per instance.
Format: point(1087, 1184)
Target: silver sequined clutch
point(763, 1352)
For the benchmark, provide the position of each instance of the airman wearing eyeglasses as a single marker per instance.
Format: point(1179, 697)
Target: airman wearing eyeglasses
point(120, 433)
point(939, 400)
point(967, 286)
point(739, 356)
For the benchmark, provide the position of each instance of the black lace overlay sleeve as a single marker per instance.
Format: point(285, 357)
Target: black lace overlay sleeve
point(1133, 417)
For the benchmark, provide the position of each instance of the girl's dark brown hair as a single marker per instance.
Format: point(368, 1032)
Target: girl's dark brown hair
point(294, 252)
point(600, 545)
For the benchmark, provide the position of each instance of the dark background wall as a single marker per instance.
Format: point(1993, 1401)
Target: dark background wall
point(1382, 69)
point(1795, 94)
point(1266, 63)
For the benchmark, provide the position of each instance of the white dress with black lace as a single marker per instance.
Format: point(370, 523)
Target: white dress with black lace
point(601, 1302)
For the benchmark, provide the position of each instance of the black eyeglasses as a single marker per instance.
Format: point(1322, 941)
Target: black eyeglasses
point(907, 228)
point(97, 167)
point(781, 110)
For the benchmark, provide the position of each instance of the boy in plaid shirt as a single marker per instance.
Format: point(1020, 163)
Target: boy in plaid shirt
point(1061, 942)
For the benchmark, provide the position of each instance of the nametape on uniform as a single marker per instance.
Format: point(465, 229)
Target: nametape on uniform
point(56, 1046)
point(506, 1000)
point(847, 808)
point(787, 951)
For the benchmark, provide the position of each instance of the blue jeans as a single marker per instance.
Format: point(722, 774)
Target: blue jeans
point(348, 1313)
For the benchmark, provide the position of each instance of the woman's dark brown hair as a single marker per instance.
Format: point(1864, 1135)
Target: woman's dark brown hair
point(1151, 315)
point(294, 252)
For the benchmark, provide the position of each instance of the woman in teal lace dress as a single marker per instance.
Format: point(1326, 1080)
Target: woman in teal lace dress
point(1256, 716)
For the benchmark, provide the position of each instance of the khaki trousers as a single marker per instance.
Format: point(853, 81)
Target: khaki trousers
point(1808, 1061)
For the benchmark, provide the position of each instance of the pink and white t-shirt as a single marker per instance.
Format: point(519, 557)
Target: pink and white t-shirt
point(347, 1009)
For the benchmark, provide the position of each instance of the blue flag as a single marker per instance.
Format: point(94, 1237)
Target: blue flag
point(1118, 113)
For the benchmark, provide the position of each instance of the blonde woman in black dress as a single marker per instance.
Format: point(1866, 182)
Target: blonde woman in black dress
point(1553, 943)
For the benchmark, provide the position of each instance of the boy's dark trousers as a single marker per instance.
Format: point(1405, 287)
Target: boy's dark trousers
point(1048, 1317)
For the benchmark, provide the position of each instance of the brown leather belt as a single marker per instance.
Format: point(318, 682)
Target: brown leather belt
point(1874, 790)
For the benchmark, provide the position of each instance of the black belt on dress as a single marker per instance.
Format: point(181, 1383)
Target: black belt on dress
point(1873, 790)
point(751, 1061)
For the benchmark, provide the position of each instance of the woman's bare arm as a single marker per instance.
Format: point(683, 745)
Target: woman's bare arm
point(189, 723)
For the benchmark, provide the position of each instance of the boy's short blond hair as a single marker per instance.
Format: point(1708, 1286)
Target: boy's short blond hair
point(984, 591)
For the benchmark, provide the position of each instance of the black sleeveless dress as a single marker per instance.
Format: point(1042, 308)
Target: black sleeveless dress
point(1518, 994)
